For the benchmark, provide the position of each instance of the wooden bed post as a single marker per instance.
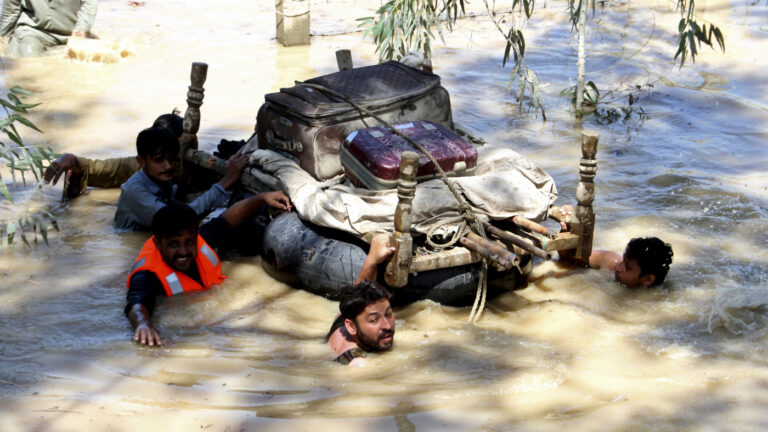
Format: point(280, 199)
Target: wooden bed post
point(192, 115)
point(399, 265)
point(585, 194)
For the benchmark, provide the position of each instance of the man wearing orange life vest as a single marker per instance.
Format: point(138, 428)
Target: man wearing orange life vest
point(179, 258)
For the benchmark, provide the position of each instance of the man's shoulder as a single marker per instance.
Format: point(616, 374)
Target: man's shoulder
point(347, 356)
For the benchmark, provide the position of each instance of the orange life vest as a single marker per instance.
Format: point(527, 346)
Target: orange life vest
point(176, 282)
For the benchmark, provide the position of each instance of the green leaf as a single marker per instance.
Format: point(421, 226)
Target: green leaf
point(26, 122)
point(11, 233)
point(53, 221)
point(23, 234)
point(15, 99)
point(20, 91)
point(5, 192)
point(13, 136)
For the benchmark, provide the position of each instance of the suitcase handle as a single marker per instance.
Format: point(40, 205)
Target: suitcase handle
point(292, 146)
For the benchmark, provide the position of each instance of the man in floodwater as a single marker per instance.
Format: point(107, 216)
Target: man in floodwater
point(366, 322)
point(152, 187)
point(645, 261)
point(179, 258)
point(34, 26)
point(80, 172)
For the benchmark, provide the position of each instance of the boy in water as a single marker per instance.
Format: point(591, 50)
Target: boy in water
point(645, 261)
point(152, 187)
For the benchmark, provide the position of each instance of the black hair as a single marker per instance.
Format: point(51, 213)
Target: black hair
point(355, 298)
point(156, 139)
point(172, 122)
point(652, 255)
point(172, 219)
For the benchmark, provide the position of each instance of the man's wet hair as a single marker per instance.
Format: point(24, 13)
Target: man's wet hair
point(652, 255)
point(156, 139)
point(355, 298)
point(173, 122)
point(173, 219)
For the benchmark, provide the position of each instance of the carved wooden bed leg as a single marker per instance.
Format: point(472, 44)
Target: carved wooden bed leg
point(192, 115)
point(585, 194)
point(399, 266)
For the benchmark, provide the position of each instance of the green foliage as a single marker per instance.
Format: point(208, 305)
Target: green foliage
point(22, 160)
point(609, 107)
point(691, 34)
point(401, 26)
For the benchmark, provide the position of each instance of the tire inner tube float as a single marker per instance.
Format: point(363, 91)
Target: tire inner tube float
point(323, 261)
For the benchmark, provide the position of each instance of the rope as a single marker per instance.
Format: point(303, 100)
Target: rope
point(460, 231)
point(464, 207)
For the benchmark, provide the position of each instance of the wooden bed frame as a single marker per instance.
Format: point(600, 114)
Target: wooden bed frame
point(502, 247)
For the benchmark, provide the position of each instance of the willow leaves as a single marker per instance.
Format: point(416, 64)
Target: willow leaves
point(21, 160)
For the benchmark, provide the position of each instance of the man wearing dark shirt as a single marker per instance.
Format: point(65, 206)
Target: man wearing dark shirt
point(180, 258)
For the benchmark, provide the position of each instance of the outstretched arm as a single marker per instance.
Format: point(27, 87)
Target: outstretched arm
point(143, 289)
point(242, 210)
point(380, 250)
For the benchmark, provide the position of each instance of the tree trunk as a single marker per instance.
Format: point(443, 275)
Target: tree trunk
point(582, 60)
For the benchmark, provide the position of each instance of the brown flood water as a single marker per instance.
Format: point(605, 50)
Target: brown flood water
point(571, 351)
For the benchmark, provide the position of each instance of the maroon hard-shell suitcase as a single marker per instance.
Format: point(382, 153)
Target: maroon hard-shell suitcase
point(311, 125)
point(371, 157)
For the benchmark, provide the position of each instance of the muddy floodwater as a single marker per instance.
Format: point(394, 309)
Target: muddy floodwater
point(571, 351)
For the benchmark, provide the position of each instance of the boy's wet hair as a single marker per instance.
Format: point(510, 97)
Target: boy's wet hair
point(173, 219)
point(355, 298)
point(652, 255)
point(172, 122)
point(154, 140)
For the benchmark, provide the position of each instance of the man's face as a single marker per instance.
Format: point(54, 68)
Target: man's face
point(374, 328)
point(179, 251)
point(159, 167)
point(628, 273)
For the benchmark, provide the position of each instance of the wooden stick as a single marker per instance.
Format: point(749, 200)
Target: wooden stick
point(518, 241)
point(491, 250)
point(192, 115)
point(532, 226)
point(455, 257)
point(344, 59)
point(585, 195)
point(399, 265)
point(219, 166)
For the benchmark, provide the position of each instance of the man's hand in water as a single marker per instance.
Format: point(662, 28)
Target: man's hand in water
point(147, 335)
point(277, 199)
point(66, 163)
point(235, 166)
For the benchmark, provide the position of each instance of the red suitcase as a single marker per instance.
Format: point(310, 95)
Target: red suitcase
point(371, 157)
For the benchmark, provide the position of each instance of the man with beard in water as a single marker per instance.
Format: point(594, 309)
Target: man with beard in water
point(366, 322)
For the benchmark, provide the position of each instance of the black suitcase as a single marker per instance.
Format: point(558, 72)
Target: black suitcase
point(312, 125)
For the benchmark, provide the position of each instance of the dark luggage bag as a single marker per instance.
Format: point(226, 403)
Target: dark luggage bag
point(312, 125)
point(371, 157)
